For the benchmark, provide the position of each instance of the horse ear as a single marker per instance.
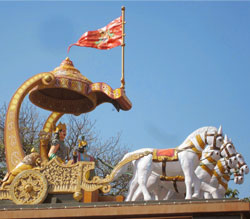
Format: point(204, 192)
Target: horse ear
point(226, 138)
point(220, 130)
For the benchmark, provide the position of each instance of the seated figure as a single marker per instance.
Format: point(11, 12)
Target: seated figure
point(29, 162)
point(81, 155)
point(58, 148)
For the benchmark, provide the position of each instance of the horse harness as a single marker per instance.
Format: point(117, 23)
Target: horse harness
point(224, 147)
point(241, 164)
point(224, 176)
point(205, 166)
point(201, 143)
point(189, 145)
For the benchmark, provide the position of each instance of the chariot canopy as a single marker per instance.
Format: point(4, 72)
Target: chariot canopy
point(71, 92)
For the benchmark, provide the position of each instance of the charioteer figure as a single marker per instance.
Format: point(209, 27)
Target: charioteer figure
point(58, 148)
point(81, 153)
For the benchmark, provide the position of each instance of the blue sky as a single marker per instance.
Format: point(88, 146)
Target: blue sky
point(186, 64)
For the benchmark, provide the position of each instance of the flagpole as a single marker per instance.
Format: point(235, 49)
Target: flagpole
point(123, 45)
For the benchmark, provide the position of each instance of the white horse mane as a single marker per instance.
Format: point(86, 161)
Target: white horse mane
point(208, 129)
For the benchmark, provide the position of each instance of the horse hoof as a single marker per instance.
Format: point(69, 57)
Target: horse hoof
point(215, 195)
point(195, 196)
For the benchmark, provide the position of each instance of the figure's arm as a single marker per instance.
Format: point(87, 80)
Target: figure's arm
point(68, 158)
point(52, 151)
point(74, 156)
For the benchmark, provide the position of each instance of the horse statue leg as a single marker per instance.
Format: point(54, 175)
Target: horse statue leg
point(169, 195)
point(209, 191)
point(133, 186)
point(188, 163)
point(144, 169)
point(153, 185)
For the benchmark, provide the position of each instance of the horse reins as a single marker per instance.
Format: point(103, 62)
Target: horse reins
point(224, 147)
point(215, 135)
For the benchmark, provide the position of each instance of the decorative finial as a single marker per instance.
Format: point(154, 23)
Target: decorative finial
point(67, 61)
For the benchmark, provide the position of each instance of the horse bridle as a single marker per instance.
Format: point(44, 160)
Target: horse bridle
point(241, 164)
point(215, 135)
point(236, 175)
point(224, 147)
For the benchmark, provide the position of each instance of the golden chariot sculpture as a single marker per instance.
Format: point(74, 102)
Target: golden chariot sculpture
point(62, 91)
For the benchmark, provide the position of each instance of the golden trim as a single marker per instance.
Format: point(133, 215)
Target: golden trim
point(216, 174)
point(204, 167)
point(29, 187)
point(219, 178)
point(190, 145)
point(172, 178)
point(211, 160)
point(5, 194)
point(157, 158)
point(200, 141)
point(199, 154)
point(221, 168)
point(226, 177)
point(225, 185)
point(13, 147)
point(97, 182)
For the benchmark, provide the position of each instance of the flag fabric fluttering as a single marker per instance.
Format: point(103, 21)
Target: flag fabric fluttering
point(107, 37)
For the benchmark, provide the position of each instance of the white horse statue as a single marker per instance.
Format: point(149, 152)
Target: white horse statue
point(188, 158)
point(164, 190)
point(214, 181)
point(222, 175)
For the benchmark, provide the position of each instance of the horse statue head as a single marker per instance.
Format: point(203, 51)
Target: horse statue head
point(214, 138)
point(227, 149)
point(241, 164)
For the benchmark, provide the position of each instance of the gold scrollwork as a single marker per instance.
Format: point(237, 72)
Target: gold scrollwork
point(5, 194)
point(61, 177)
point(48, 78)
point(15, 158)
point(29, 187)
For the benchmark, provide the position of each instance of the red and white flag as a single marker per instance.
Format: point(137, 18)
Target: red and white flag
point(107, 37)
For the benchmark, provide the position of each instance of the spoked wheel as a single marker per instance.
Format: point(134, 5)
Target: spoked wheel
point(29, 187)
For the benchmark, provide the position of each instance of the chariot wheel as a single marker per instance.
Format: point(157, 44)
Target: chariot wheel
point(29, 187)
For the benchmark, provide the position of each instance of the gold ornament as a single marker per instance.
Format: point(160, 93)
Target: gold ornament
point(60, 126)
point(82, 143)
point(77, 196)
point(29, 187)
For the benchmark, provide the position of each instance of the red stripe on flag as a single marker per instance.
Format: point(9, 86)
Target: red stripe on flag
point(107, 37)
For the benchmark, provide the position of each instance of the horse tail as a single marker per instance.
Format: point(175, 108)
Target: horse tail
point(122, 166)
